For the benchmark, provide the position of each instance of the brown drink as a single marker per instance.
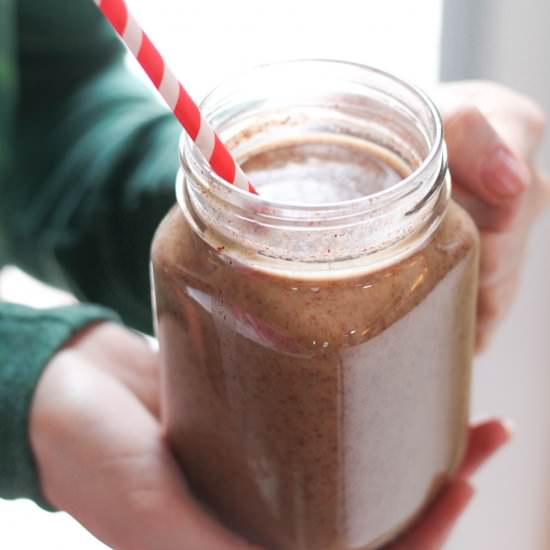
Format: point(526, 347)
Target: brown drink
point(316, 359)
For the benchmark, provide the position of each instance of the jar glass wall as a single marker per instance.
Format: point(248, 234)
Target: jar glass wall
point(316, 341)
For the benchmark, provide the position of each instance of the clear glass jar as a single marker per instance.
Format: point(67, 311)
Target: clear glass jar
point(316, 355)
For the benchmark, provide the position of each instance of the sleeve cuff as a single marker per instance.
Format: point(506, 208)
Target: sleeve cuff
point(28, 339)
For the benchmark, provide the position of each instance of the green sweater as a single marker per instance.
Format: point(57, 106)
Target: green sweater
point(87, 166)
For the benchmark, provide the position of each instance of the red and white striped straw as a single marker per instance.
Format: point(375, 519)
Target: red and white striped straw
point(173, 93)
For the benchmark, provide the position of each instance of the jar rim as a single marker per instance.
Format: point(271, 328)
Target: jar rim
point(198, 164)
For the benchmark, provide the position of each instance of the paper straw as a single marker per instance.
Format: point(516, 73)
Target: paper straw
point(173, 93)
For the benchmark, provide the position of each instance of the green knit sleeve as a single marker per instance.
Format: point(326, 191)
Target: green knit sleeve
point(28, 338)
point(91, 175)
point(95, 161)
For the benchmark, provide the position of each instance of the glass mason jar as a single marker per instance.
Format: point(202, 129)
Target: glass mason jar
point(316, 340)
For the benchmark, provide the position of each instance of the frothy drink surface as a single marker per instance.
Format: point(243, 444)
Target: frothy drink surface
point(309, 413)
point(318, 173)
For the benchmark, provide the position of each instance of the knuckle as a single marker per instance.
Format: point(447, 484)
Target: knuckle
point(464, 116)
point(144, 502)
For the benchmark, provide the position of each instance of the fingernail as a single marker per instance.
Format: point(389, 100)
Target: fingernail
point(505, 174)
point(510, 426)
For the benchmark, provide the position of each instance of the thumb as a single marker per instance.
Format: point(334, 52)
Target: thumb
point(102, 458)
point(157, 510)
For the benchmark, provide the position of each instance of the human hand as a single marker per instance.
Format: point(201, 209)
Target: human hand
point(97, 440)
point(492, 135)
point(433, 529)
